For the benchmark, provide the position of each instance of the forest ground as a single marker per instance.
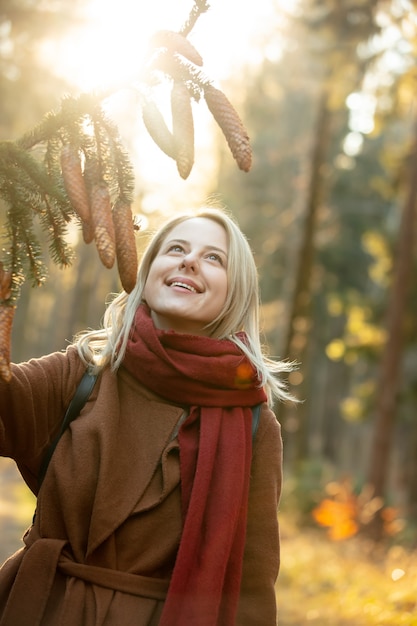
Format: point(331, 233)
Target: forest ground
point(345, 583)
point(321, 583)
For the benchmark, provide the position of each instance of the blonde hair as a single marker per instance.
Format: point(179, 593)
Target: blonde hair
point(240, 311)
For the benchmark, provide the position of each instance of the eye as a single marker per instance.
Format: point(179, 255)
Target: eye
point(175, 248)
point(213, 256)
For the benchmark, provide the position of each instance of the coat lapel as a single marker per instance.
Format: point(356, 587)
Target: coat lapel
point(104, 463)
point(128, 462)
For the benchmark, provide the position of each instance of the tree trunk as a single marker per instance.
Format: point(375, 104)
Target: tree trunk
point(390, 366)
point(412, 476)
point(299, 319)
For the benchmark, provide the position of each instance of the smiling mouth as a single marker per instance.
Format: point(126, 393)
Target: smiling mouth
point(184, 286)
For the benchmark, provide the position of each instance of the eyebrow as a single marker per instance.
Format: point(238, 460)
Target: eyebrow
point(208, 247)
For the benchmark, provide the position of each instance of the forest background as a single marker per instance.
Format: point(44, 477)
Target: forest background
point(327, 91)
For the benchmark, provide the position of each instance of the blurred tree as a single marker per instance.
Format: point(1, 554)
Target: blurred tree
point(390, 366)
point(391, 85)
point(28, 87)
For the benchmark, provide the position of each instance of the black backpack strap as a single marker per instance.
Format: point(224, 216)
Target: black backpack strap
point(78, 400)
point(256, 414)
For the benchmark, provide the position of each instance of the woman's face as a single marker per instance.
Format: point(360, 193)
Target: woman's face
point(186, 287)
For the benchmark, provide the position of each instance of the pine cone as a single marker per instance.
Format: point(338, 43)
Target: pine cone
point(88, 232)
point(126, 253)
point(175, 42)
point(5, 283)
point(157, 129)
point(6, 322)
point(231, 125)
point(103, 224)
point(91, 178)
point(183, 128)
point(74, 182)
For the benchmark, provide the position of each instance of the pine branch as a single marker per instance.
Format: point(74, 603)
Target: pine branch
point(73, 166)
point(175, 68)
point(38, 176)
point(200, 7)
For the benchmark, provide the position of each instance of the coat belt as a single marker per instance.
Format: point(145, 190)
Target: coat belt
point(145, 586)
point(33, 583)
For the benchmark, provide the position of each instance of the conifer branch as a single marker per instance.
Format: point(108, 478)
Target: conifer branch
point(200, 7)
point(73, 166)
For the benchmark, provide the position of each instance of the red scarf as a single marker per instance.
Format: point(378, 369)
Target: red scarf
point(217, 382)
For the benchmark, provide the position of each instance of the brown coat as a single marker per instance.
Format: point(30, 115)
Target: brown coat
point(108, 520)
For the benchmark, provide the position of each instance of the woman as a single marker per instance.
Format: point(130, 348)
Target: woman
point(155, 509)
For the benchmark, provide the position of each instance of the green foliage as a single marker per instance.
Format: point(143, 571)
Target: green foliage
point(32, 186)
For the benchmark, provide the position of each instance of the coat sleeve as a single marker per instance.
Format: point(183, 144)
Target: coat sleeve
point(257, 604)
point(32, 406)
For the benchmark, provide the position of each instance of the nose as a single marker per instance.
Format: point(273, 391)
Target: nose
point(190, 261)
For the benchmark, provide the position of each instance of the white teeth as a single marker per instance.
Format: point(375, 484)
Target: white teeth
point(177, 284)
